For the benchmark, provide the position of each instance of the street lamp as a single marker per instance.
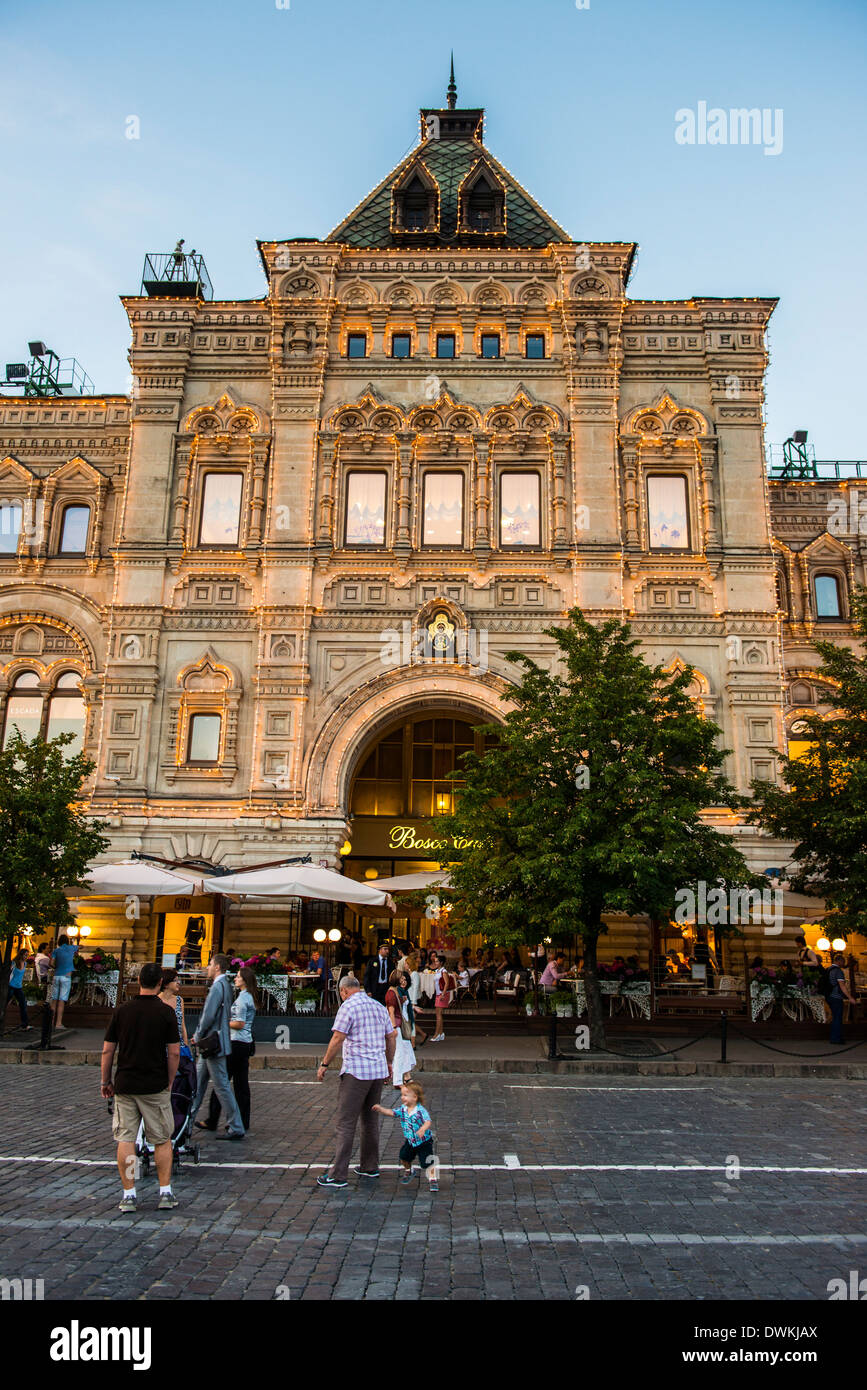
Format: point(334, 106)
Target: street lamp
point(838, 944)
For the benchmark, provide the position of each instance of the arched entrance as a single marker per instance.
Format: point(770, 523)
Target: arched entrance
point(399, 787)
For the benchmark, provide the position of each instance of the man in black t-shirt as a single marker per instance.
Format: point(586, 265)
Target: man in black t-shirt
point(144, 1033)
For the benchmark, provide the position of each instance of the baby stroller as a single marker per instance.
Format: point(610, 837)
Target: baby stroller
point(183, 1101)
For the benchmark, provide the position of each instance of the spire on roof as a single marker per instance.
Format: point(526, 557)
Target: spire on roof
point(452, 94)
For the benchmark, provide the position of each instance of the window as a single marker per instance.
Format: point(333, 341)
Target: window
point(10, 527)
point(24, 708)
point(221, 509)
point(827, 591)
point(534, 345)
point(490, 344)
point(73, 531)
point(519, 509)
point(62, 713)
point(204, 740)
point(437, 747)
point(480, 211)
point(445, 345)
point(356, 345)
point(365, 508)
point(416, 206)
point(667, 515)
point(66, 712)
point(443, 509)
point(401, 345)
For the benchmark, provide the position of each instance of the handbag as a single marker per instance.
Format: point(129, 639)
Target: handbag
point(209, 1043)
point(405, 1029)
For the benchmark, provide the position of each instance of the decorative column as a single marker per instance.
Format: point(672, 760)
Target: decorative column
point(482, 447)
point(328, 440)
point(182, 500)
point(806, 596)
point(630, 495)
point(403, 543)
point(708, 494)
point(259, 456)
point(559, 446)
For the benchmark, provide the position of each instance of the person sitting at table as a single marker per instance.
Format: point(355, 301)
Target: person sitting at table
point(273, 954)
point(302, 962)
point(757, 963)
point(552, 972)
point(318, 966)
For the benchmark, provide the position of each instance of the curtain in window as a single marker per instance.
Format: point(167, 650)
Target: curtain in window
point(667, 513)
point(365, 509)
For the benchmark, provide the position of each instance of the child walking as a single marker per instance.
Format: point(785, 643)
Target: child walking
point(417, 1127)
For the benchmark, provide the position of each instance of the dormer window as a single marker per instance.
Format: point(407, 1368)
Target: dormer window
point(415, 206)
point(482, 204)
point(480, 208)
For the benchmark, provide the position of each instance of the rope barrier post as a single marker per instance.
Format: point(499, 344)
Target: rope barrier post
point(723, 1034)
point(552, 1037)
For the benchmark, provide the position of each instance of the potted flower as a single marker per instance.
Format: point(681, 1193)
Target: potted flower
point(305, 1001)
point(560, 1002)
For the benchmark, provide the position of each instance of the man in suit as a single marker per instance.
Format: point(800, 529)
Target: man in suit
point(378, 971)
point(215, 1018)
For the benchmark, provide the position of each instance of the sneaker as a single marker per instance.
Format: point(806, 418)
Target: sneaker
point(324, 1181)
point(434, 1187)
point(167, 1201)
point(128, 1204)
point(227, 1135)
point(362, 1174)
point(405, 1178)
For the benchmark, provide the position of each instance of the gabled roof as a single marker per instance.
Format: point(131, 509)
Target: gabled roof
point(449, 161)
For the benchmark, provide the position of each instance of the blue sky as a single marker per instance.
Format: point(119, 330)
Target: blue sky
point(258, 121)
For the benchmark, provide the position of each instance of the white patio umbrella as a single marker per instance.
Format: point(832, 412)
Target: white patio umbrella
point(297, 881)
point(133, 876)
point(413, 883)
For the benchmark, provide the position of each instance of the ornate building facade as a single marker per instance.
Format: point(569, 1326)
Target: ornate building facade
point(273, 588)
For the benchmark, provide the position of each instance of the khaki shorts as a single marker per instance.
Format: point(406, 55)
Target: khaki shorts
point(155, 1110)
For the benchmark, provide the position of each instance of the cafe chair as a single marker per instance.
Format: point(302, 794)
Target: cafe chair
point(509, 989)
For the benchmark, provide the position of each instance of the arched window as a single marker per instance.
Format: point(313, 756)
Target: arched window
point(66, 711)
point(827, 590)
point(63, 712)
point(73, 530)
point(24, 708)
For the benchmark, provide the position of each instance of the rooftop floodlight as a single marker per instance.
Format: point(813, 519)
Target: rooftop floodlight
point(37, 349)
point(800, 436)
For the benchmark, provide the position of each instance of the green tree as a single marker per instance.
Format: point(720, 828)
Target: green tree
point(46, 840)
point(589, 799)
point(823, 805)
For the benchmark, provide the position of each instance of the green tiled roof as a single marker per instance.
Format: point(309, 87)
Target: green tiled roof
point(449, 161)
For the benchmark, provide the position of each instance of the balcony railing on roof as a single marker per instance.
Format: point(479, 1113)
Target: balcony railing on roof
point(804, 466)
point(176, 275)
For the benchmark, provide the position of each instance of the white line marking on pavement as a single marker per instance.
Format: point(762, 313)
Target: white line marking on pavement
point(473, 1235)
point(510, 1163)
point(645, 1090)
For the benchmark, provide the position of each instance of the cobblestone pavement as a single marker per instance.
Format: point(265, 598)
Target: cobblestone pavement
point(551, 1188)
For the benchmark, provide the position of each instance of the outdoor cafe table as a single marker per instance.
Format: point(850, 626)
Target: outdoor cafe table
point(795, 1002)
point(637, 995)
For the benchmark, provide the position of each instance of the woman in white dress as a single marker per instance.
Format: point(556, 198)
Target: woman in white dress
point(397, 1003)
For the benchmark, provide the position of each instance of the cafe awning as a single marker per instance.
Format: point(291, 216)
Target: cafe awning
point(297, 881)
point(133, 876)
point(414, 883)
